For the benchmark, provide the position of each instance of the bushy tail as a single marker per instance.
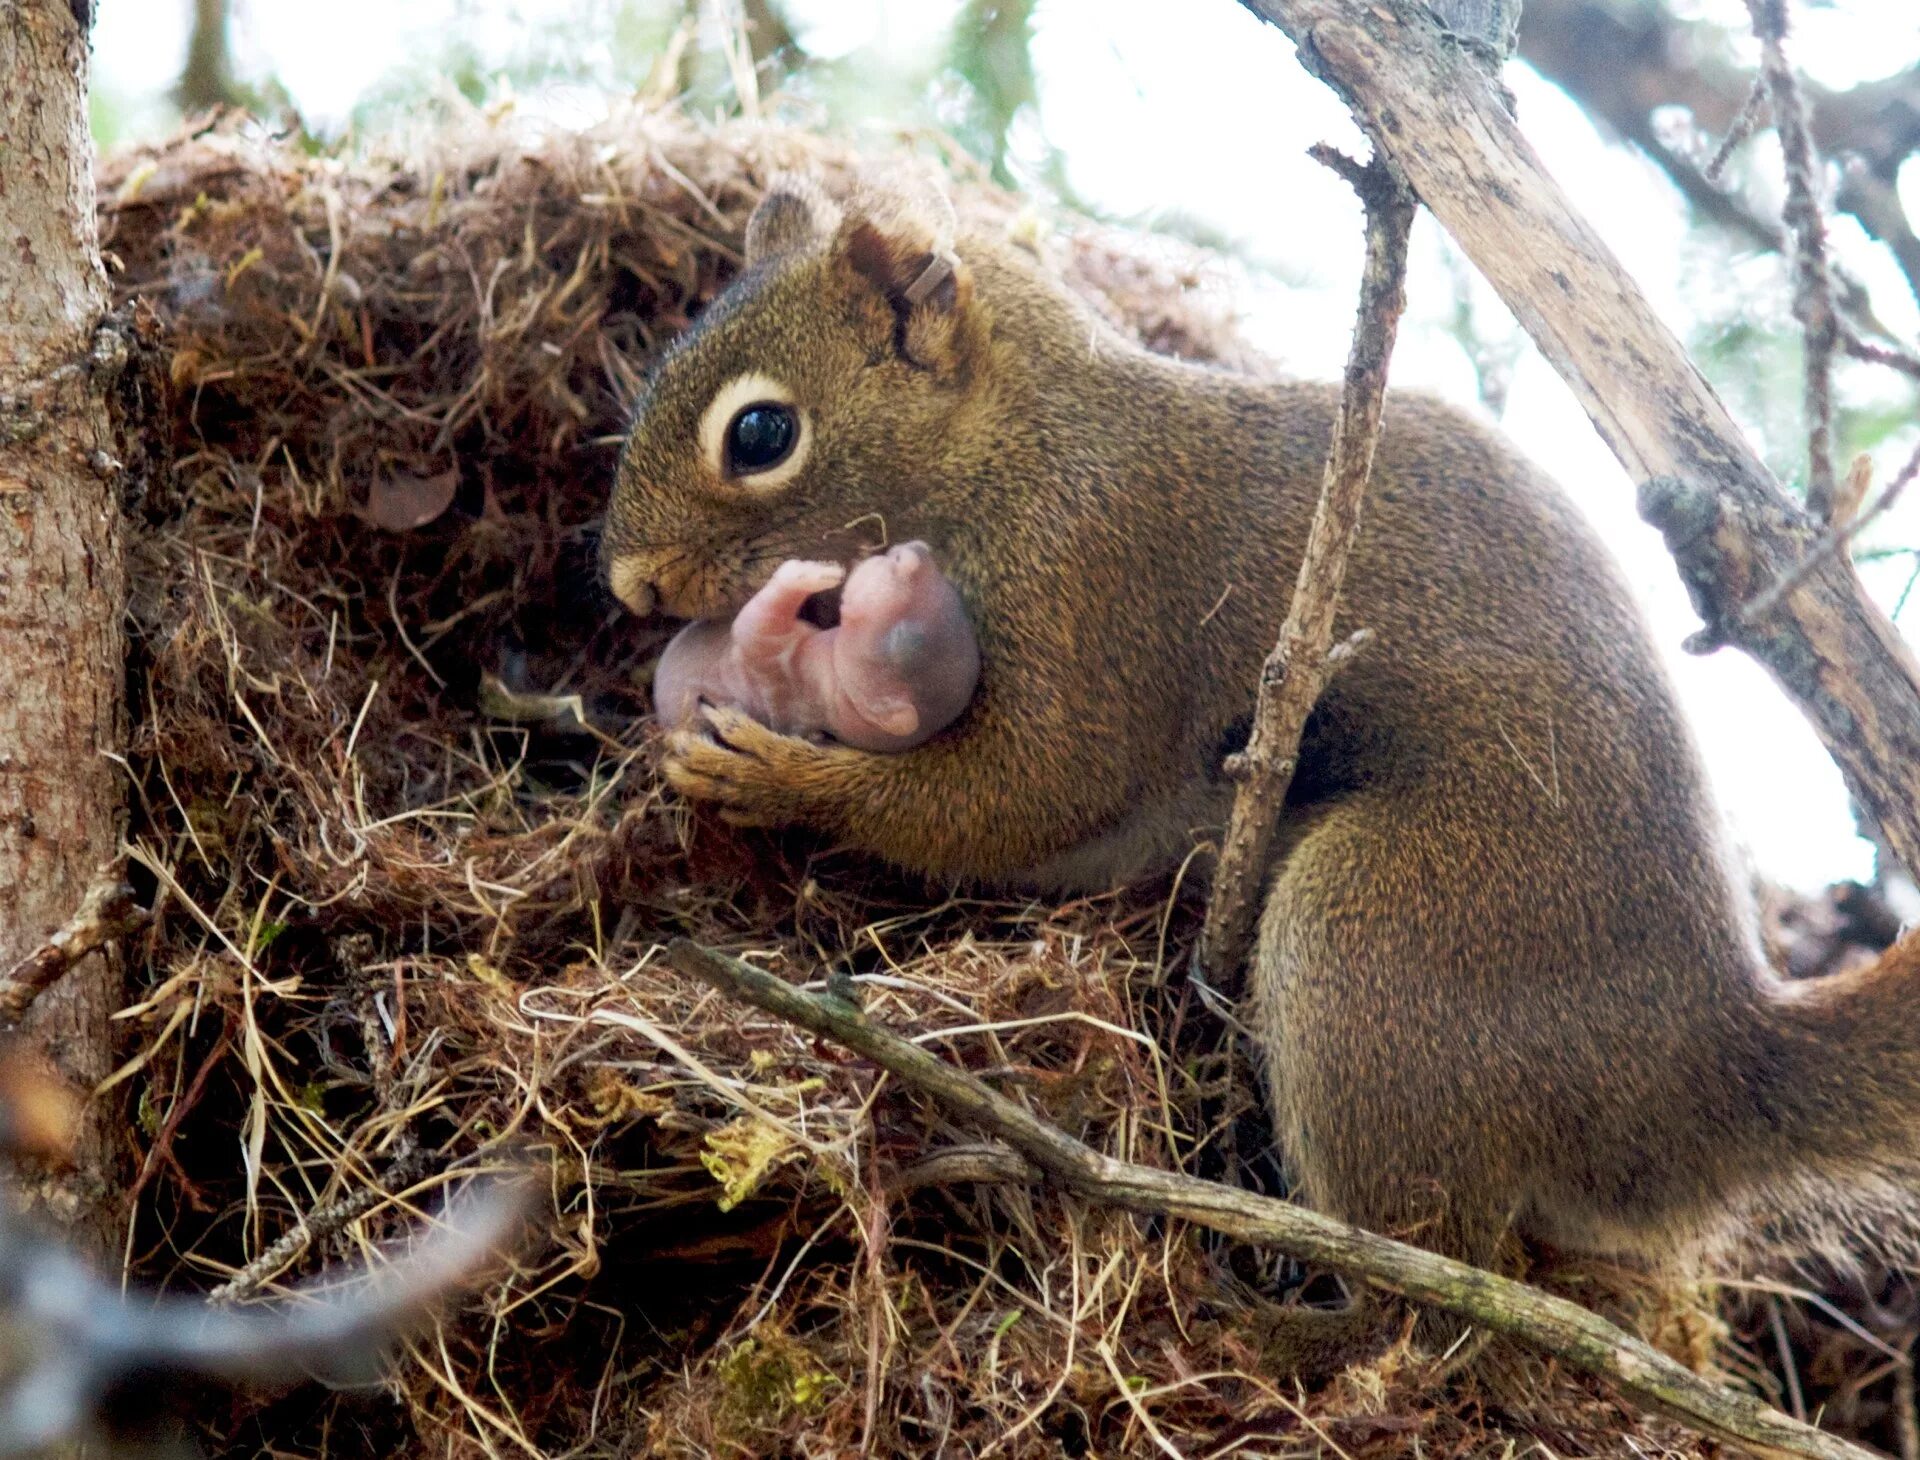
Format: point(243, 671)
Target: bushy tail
point(1838, 1111)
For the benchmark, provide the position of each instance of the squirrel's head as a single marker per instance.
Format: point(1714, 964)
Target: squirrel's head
point(794, 420)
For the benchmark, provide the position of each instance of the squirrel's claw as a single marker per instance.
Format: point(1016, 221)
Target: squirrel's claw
point(750, 775)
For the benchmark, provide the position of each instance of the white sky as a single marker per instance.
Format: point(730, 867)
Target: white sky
point(1208, 117)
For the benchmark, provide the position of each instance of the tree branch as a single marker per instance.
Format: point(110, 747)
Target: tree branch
point(1304, 658)
point(86, 1357)
point(1731, 529)
point(107, 912)
point(1619, 62)
point(1807, 230)
point(1571, 1333)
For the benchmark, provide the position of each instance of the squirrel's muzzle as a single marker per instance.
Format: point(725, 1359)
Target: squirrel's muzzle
point(677, 581)
point(631, 576)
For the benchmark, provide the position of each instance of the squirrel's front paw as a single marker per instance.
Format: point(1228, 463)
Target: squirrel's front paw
point(752, 775)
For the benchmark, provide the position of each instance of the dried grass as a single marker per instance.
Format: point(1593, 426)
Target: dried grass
point(396, 789)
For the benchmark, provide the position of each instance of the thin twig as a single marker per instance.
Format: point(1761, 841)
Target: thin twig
point(318, 1225)
point(108, 911)
point(1812, 288)
point(1796, 1398)
point(1304, 659)
point(1846, 528)
point(1876, 353)
point(1571, 1333)
point(1742, 128)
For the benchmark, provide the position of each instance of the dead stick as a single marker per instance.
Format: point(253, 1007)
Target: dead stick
point(1303, 660)
point(80, 1349)
point(108, 911)
point(1807, 235)
point(1848, 522)
point(1566, 1330)
point(1750, 113)
point(1906, 1405)
point(320, 1224)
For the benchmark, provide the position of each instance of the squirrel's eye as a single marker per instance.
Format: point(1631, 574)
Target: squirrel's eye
point(761, 436)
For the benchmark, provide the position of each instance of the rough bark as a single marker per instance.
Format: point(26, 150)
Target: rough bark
point(1733, 532)
point(61, 588)
point(1491, 24)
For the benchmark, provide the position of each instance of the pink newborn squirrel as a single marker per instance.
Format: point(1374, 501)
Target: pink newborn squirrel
point(898, 668)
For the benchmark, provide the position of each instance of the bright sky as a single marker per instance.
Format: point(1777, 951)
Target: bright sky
point(1209, 118)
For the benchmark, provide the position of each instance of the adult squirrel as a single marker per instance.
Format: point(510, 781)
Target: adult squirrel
point(1507, 975)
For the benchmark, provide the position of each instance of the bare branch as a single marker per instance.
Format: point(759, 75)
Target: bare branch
point(1742, 128)
point(1304, 658)
point(318, 1225)
point(1571, 1333)
point(1807, 231)
point(1875, 353)
point(1731, 529)
point(108, 911)
point(1847, 527)
point(1620, 62)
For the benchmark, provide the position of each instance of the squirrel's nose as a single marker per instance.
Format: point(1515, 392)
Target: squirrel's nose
point(631, 579)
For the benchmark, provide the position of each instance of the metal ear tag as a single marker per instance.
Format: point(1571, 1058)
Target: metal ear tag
point(938, 270)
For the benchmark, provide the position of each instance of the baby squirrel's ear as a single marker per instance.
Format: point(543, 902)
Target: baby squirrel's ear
point(899, 246)
point(794, 213)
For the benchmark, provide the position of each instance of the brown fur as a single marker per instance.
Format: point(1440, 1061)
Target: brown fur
point(1506, 977)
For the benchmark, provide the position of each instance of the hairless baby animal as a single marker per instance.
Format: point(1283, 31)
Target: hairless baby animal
point(899, 667)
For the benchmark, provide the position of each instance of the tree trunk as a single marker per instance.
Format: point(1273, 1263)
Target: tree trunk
point(62, 659)
point(207, 79)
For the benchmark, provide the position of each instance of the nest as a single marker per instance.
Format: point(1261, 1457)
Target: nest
point(393, 783)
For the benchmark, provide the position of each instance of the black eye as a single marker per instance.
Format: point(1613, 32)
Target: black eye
point(761, 436)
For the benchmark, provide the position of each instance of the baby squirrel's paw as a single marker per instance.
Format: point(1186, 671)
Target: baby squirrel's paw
point(752, 775)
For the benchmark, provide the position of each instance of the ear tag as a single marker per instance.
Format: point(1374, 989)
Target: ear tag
point(937, 272)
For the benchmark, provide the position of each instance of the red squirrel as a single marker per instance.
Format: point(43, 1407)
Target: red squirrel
point(1509, 977)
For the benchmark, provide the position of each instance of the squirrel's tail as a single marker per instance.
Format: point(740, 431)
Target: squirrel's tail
point(1838, 1113)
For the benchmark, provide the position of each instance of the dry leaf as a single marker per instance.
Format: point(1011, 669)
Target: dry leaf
point(499, 701)
point(401, 503)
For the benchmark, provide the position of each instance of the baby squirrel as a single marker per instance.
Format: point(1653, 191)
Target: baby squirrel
point(1508, 977)
point(896, 670)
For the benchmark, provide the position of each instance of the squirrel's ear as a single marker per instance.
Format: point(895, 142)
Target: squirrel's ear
point(901, 250)
point(794, 213)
